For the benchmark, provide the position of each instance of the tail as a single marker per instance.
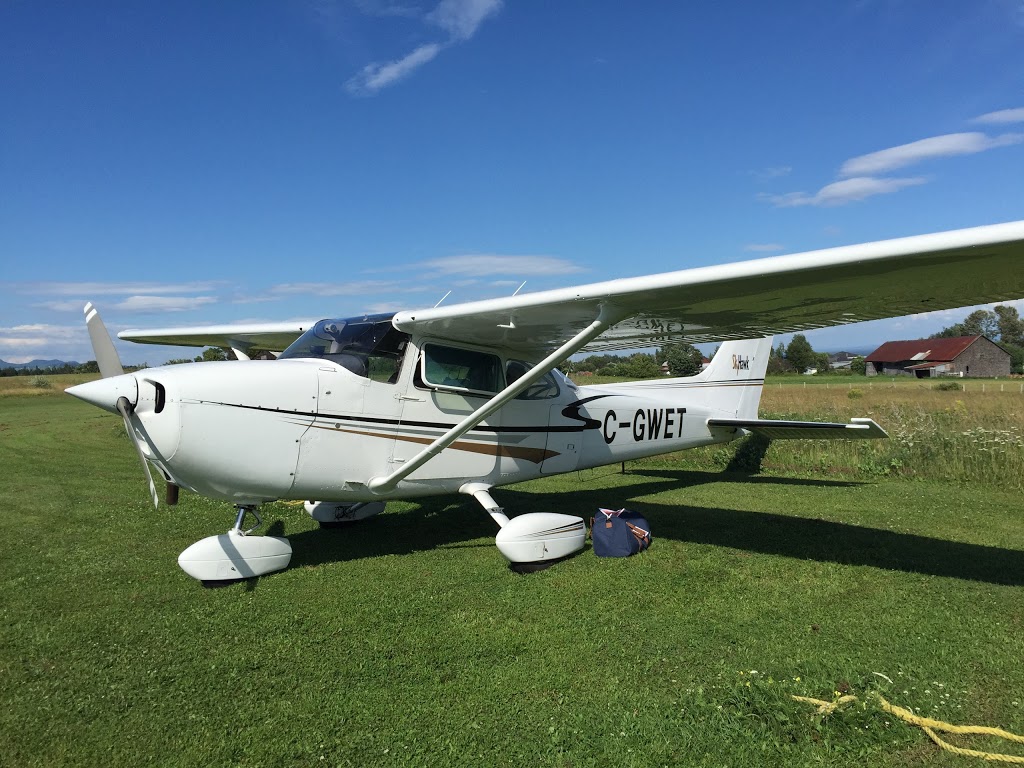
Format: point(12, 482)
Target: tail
point(735, 376)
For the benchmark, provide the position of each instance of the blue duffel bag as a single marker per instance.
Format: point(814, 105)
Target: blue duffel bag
point(619, 533)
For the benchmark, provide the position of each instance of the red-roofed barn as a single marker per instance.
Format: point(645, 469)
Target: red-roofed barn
point(958, 356)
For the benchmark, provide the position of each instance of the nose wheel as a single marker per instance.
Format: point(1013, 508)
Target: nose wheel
point(237, 554)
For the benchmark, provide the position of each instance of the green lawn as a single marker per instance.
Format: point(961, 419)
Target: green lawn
point(405, 640)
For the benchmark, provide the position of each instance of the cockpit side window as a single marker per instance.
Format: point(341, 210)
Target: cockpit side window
point(385, 360)
point(369, 346)
point(461, 369)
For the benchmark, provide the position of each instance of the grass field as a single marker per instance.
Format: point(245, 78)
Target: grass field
point(406, 641)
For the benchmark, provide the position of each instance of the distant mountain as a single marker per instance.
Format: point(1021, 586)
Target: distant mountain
point(37, 364)
point(855, 351)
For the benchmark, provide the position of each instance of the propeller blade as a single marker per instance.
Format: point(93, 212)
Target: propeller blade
point(124, 407)
point(102, 345)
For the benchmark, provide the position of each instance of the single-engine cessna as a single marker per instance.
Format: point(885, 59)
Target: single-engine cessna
point(467, 397)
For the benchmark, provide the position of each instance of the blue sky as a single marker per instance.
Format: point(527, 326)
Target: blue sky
point(192, 162)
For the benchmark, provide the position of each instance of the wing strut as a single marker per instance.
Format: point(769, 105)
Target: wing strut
point(607, 317)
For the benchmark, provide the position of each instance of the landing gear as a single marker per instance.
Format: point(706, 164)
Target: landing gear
point(236, 555)
point(334, 514)
point(533, 541)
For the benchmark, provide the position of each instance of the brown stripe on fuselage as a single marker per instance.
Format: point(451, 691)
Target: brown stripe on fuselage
point(536, 455)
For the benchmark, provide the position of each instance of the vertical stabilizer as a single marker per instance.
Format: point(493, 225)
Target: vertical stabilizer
point(738, 369)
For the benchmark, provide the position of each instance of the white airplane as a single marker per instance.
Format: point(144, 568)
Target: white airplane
point(467, 397)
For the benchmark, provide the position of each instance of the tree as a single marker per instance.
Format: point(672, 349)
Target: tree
point(800, 353)
point(1011, 327)
point(595, 363)
point(212, 354)
point(822, 363)
point(640, 366)
point(980, 322)
point(779, 365)
point(859, 366)
point(683, 359)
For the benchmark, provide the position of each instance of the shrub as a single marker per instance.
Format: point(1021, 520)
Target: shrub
point(948, 386)
point(855, 394)
point(39, 382)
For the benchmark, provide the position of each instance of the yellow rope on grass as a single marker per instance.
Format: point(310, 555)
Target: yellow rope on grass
point(930, 726)
point(826, 707)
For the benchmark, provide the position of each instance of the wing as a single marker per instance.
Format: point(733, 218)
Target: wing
point(274, 337)
point(751, 299)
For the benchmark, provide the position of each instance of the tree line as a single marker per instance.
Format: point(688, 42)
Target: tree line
point(208, 354)
point(800, 357)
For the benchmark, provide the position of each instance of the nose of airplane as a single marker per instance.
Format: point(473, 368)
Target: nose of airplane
point(104, 393)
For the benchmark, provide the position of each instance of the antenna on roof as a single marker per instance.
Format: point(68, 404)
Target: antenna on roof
point(517, 290)
point(442, 299)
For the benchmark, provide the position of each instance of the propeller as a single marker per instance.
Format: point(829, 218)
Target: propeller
point(110, 365)
point(126, 409)
point(102, 345)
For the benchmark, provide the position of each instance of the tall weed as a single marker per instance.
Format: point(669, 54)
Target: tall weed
point(970, 436)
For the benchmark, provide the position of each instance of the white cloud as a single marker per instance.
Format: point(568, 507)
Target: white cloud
point(950, 145)
point(375, 76)
point(114, 289)
point(763, 247)
point(461, 18)
point(863, 176)
point(845, 191)
point(51, 331)
point(483, 264)
point(71, 305)
point(1001, 117)
point(381, 307)
point(153, 304)
point(34, 341)
point(22, 341)
point(254, 299)
point(335, 289)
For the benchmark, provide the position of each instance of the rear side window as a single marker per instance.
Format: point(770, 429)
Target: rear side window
point(461, 369)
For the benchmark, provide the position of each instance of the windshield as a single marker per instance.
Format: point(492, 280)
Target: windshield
point(367, 346)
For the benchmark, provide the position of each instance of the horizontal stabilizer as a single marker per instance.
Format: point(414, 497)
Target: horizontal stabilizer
point(780, 429)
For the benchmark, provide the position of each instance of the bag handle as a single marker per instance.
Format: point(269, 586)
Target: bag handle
point(640, 533)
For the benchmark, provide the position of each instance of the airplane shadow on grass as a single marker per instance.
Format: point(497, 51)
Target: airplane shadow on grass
point(448, 521)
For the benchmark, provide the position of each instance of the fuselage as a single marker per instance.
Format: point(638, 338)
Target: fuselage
point(255, 431)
